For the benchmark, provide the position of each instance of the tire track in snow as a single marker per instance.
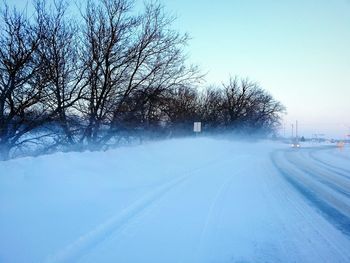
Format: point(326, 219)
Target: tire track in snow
point(326, 203)
point(273, 187)
point(210, 215)
point(74, 251)
point(341, 155)
point(85, 243)
point(332, 168)
point(311, 155)
point(323, 190)
point(285, 195)
point(337, 183)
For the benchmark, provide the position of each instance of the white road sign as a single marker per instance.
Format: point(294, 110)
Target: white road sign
point(197, 126)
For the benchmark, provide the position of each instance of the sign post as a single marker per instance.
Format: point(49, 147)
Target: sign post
point(197, 127)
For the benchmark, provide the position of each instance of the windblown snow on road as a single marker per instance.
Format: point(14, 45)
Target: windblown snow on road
point(183, 200)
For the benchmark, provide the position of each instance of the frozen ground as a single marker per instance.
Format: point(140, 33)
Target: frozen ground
point(188, 200)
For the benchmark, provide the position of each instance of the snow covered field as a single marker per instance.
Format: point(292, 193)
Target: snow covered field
point(184, 200)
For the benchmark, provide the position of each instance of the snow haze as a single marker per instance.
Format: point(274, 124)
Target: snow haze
point(181, 200)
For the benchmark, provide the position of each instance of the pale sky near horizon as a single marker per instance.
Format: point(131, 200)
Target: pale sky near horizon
point(298, 50)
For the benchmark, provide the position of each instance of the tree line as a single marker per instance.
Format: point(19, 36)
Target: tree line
point(87, 82)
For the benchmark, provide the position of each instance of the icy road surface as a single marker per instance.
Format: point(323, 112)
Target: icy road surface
point(188, 200)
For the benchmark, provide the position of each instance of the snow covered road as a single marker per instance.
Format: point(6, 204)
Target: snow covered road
point(322, 183)
point(188, 200)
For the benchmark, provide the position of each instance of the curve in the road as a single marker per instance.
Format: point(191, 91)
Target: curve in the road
point(317, 198)
point(328, 166)
point(338, 184)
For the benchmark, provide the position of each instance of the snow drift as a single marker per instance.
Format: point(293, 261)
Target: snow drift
point(183, 200)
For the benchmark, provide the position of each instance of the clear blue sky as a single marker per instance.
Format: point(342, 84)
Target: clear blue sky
point(298, 50)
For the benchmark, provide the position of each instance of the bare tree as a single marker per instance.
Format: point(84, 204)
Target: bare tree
point(106, 40)
point(88, 83)
point(61, 71)
point(182, 108)
point(20, 101)
point(247, 106)
point(211, 103)
point(128, 56)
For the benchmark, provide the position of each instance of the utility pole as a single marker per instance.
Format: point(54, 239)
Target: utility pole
point(296, 130)
point(292, 130)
